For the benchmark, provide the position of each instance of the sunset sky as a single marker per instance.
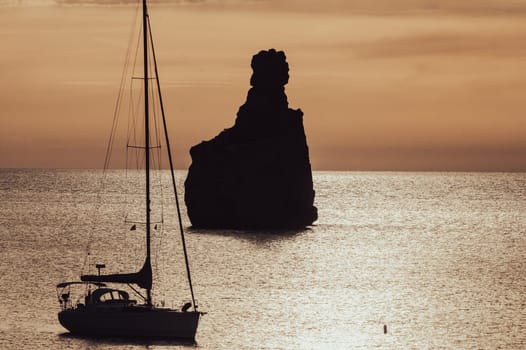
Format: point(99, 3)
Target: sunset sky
point(384, 85)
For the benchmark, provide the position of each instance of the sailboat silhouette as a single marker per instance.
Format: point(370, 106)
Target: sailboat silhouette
point(110, 311)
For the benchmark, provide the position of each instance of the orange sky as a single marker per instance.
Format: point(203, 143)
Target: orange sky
point(401, 85)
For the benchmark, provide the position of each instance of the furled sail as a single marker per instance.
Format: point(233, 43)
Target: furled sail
point(143, 278)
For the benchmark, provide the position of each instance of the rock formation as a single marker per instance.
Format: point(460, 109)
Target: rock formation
point(257, 173)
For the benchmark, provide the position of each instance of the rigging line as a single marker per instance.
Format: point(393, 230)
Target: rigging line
point(138, 111)
point(161, 190)
point(131, 126)
point(160, 256)
point(119, 96)
point(131, 110)
point(157, 164)
point(172, 170)
point(137, 140)
point(159, 160)
point(156, 135)
point(131, 133)
point(142, 222)
point(136, 114)
point(111, 139)
point(147, 140)
point(136, 291)
point(157, 146)
point(135, 157)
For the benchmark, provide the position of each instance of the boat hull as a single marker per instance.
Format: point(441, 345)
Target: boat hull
point(131, 322)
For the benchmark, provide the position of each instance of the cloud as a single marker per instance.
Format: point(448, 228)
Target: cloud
point(121, 2)
point(377, 7)
point(13, 3)
point(37, 3)
point(442, 44)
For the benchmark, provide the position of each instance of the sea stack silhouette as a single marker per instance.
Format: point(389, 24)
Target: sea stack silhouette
point(256, 174)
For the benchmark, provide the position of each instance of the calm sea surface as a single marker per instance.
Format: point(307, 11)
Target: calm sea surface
point(439, 258)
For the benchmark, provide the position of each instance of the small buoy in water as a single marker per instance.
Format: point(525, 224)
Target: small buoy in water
point(385, 329)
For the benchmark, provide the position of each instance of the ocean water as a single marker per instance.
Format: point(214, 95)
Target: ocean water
point(438, 258)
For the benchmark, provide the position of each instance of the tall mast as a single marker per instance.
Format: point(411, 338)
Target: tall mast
point(146, 140)
point(171, 168)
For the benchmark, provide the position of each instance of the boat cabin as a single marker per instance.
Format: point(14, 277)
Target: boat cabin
point(108, 296)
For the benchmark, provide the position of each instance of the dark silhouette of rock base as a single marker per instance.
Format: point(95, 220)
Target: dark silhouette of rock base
point(257, 173)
